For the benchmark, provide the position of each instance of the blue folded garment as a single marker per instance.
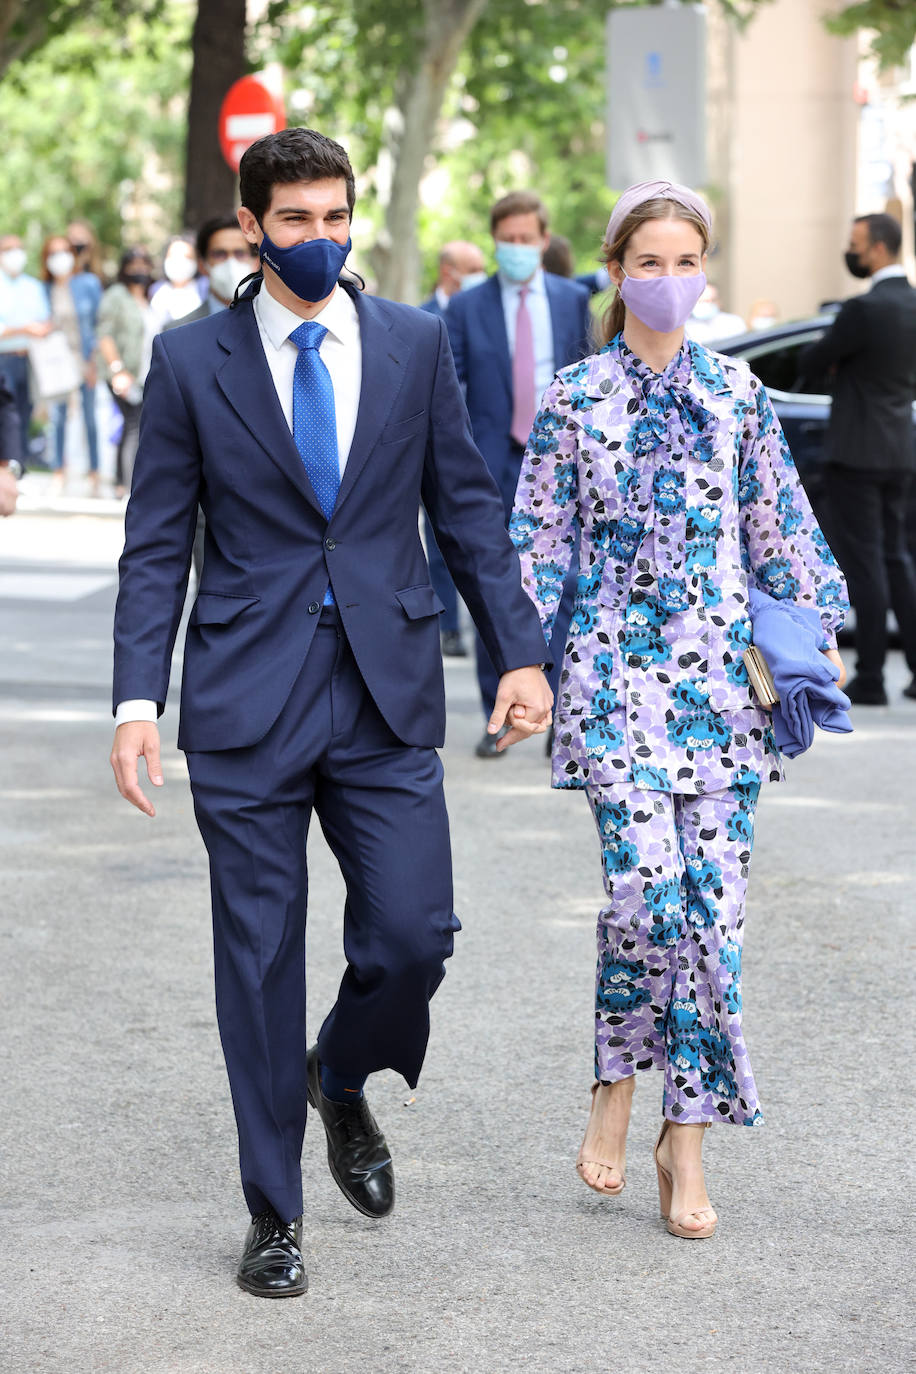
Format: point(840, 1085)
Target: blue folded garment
point(791, 639)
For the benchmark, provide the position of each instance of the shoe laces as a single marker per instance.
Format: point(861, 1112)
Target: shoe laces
point(268, 1221)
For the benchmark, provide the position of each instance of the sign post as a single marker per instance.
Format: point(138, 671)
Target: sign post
point(249, 111)
point(656, 100)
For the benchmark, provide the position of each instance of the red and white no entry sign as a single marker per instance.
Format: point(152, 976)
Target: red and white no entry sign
point(248, 112)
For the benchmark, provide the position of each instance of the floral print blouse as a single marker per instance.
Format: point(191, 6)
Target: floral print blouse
point(679, 489)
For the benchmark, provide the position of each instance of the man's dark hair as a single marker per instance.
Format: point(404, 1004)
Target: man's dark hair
point(211, 227)
point(883, 229)
point(289, 156)
point(558, 257)
point(519, 203)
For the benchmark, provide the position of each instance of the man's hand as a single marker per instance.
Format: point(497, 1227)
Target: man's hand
point(133, 740)
point(8, 491)
point(834, 656)
point(38, 329)
point(523, 702)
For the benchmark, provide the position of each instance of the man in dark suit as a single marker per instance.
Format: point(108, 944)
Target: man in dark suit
point(509, 336)
point(461, 267)
point(870, 352)
point(309, 421)
point(459, 263)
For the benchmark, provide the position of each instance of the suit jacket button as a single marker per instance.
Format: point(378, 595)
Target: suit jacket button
point(314, 608)
point(330, 543)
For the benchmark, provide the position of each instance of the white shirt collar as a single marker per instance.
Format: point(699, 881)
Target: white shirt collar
point(885, 273)
point(339, 317)
point(535, 285)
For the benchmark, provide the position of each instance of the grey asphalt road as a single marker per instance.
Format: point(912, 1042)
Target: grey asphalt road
point(121, 1216)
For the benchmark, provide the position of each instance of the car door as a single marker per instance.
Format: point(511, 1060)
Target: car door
point(801, 402)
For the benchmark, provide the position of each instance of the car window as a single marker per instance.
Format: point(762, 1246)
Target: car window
point(777, 363)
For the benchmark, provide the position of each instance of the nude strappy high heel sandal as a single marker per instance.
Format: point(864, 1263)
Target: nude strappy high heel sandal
point(665, 1187)
point(582, 1160)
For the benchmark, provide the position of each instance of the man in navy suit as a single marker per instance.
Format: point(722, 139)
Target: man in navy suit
point(509, 336)
point(309, 422)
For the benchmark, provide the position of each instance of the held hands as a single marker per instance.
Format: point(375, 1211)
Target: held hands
point(523, 703)
point(133, 740)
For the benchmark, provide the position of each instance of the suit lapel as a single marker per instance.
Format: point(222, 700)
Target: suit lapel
point(248, 386)
point(493, 327)
point(385, 359)
point(555, 306)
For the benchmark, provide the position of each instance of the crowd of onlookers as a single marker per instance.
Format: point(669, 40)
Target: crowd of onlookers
point(75, 346)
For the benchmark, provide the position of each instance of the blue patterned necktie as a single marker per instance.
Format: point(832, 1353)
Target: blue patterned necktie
point(315, 419)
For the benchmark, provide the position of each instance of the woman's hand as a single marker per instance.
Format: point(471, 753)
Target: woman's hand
point(834, 656)
point(121, 382)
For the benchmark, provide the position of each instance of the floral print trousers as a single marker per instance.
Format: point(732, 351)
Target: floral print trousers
point(668, 987)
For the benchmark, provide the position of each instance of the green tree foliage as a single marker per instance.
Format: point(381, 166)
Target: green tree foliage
point(94, 127)
point(892, 24)
point(26, 25)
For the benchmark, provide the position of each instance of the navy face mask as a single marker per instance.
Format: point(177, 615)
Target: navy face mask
point(309, 269)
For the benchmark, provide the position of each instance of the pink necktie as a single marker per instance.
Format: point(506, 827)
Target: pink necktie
point(523, 406)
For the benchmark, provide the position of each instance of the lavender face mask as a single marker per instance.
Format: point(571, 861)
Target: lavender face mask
point(662, 303)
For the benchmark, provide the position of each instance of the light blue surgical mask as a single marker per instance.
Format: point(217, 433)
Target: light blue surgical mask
point(472, 279)
point(518, 262)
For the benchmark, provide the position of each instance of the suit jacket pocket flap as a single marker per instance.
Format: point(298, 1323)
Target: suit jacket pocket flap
point(404, 429)
point(419, 602)
point(212, 608)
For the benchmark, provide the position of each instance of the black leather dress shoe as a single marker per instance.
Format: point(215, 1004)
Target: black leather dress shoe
point(861, 694)
point(358, 1157)
point(271, 1265)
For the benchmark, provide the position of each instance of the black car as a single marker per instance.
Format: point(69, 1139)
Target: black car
point(802, 401)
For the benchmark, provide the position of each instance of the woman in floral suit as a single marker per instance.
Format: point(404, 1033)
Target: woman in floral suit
point(668, 463)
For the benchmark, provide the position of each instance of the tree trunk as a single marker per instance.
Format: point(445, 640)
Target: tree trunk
point(218, 45)
point(410, 126)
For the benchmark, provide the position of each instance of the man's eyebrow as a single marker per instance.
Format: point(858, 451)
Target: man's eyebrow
point(300, 210)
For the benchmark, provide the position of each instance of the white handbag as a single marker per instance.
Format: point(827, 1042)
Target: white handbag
point(55, 370)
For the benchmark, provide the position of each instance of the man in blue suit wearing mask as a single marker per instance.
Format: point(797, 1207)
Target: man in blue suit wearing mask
point(509, 336)
point(309, 422)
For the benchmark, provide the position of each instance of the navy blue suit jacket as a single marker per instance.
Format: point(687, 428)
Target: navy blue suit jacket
point(477, 331)
point(213, 430)
point(432, 306)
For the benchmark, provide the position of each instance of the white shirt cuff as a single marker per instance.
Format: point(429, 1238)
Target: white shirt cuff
point(135, 710)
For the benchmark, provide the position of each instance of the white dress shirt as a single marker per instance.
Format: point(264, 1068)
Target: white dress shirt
point(541, 326)
point(885, 273)
point(342, 353)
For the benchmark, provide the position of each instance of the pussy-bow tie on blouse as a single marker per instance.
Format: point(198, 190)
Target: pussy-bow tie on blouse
point(669, 420)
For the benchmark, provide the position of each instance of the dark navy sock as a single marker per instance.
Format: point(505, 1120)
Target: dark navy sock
point(340, 1087)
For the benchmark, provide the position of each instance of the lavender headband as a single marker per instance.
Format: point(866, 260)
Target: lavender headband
point(634, 196)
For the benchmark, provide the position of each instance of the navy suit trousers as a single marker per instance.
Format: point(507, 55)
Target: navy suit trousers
point(381, 807)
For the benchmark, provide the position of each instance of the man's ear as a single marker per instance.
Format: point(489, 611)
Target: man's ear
point(248, 224)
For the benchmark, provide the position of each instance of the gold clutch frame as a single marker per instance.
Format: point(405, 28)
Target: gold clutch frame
point(761, 679)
